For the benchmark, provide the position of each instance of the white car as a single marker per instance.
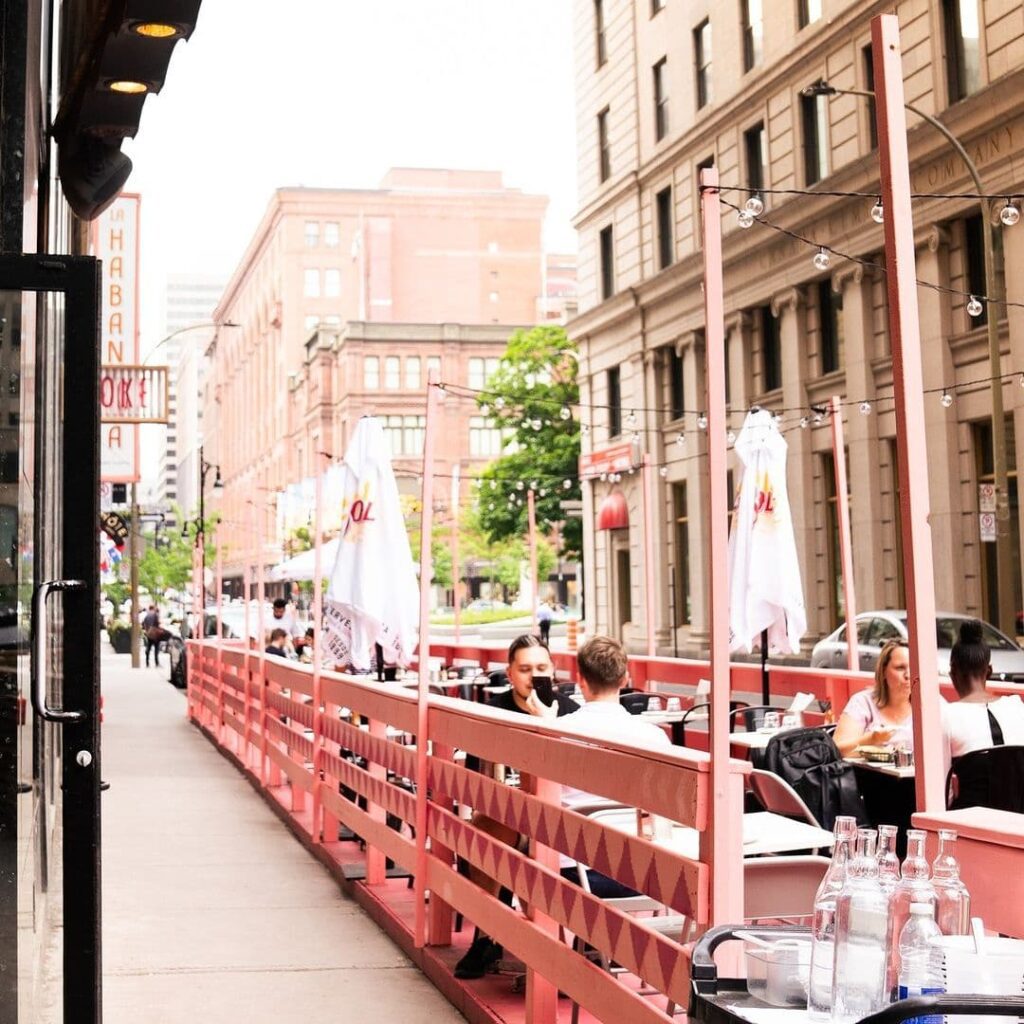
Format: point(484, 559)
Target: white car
point(875, 628)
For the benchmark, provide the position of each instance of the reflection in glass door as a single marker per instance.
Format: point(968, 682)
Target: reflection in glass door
point(49, 735)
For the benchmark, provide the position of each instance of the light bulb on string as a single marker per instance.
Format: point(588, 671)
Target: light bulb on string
point(490, 506)
point(520, 485)
point(821, 259)
point(702, 422)
point(974, 306)
point(681, 437)
point(946, 400)
point(803, 422)
point(566, 413)
point(533, 485)
point(635, 437)
point(630, 418)
point(604, 477)
point(744, 218)
point(1021, 380)
point(485, 410)
point(543, 492)
point(567, 484)
point(778, 419)
point(878, 211)
point(663, 472)
point(754, 205)
point(818, 417)
point(499, 402)
point(865, 408)
point(1009, 214)
point(584, 429)
point(730, 437)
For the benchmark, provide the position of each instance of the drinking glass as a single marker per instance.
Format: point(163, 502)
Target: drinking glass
point(673, 704)
point(791, 720)
point(654, 703)
point(771, 720)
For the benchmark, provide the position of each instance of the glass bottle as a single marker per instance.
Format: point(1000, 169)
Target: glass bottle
point(954, 901)
point(862, 912)
point(823, 929)
point(914, 887)
point(888, 862)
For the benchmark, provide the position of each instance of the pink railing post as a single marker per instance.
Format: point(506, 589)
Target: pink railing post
point(541, 994)
point(721, 844)
point(455, 550)
point(194, 703)
point(423, 695)
point(649, 601)
point(318, 736)
point(218, 583)
point(908, 388)
point(531, 516)
point(845, 548)
point(376, 862)
point(243, 743)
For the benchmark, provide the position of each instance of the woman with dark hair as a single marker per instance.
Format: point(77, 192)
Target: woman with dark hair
point(978, 719)
point(881, 715)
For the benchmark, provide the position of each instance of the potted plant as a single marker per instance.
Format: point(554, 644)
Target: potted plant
point(120, 635)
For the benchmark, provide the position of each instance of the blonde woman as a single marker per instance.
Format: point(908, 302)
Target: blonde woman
point(881, 715)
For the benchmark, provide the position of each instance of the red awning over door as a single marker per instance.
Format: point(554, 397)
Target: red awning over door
point(613, 513)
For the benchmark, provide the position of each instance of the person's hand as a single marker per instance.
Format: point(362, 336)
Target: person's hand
point(880, 736)
point(537, 707)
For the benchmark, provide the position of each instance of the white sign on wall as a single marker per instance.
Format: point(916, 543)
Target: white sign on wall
point(986, 497)
point(116, 242)
point(987, 527)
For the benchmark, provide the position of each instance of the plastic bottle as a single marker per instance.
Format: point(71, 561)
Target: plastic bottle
point(914, 887)
point(888, 862)
point(954, 901)
point(920, 959)
point(862, 913)
point(823, 929)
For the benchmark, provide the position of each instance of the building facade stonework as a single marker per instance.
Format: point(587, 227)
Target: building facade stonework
point(667, 87)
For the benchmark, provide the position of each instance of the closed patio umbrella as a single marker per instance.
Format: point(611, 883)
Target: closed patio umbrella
point(765, 592)
point(372, 595)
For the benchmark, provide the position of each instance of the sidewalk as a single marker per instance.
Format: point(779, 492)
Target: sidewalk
point(211, 910)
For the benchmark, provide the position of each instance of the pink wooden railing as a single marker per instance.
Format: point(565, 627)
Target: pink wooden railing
point(260, 711)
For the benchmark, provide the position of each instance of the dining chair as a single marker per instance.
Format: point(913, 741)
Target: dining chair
point(989, 777)
point(698, 711)
point(781, 888)
point(778, 796)
point(635, 702)
point(752, 716)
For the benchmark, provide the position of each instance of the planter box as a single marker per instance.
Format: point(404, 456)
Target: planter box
point(121, 641)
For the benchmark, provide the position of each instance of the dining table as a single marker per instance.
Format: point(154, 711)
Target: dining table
point(889, 795)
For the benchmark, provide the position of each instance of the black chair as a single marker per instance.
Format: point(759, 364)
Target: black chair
point(702, 711)
point(751, 716)
point(635, 703)
point(990, 777)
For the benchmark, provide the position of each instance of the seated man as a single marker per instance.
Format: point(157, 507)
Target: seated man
point(278, 643)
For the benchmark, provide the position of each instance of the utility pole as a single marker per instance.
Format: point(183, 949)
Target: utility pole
point(133, 554)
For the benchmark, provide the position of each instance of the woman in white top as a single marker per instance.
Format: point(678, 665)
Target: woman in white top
point(881, 715)
point(967, 723)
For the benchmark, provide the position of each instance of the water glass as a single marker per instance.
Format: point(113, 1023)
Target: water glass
point(771, 720)
point(673, 704)
point(904, 757)
point(654, 703)
point(791, 720)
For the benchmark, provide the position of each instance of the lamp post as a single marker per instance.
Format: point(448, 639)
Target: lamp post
point(200, 521)
point(1004, 579)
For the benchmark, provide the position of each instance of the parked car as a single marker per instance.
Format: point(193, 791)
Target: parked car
point(232, 622)
point(875, 628)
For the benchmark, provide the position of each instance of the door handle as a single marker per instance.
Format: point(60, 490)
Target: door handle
point(38, 668)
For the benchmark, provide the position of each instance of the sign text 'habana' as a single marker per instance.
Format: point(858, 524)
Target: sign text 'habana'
point(133, 394)
point(116, 243)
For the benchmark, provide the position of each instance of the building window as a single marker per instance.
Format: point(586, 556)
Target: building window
point(614, 402)
point(434, 366)
point(405, 434)
point(657, 5)
point(484, 440)
point(332, 234)
point(676, 403)
point(808, 11)
point(660, 72)
point(682, 553)
point(753, 33)
point(607, 246)
point(311, 283)
point(830, 315)
point(412, 372)
point(702, 62)
point(963, 47)
point(312, 234)
point(604, 153)
point(771, 350)
point(371, 373)
point(974, 257)
point(392, 372)
point(666, 227)
point(869, 85)
point(476, 373)
point(332, 283)
point(814, 116)
point(756, 156)
point(599, 40)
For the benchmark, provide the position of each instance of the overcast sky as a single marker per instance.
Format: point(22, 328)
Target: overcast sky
point(333, 93)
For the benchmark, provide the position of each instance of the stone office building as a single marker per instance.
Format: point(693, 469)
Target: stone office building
point(665, 88)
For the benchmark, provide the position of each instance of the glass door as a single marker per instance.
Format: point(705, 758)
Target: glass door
point(49, 636)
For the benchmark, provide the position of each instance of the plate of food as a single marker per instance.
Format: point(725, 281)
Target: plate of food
point(871, 752)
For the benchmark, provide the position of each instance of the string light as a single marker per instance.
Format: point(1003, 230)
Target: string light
point(878, 211)
point(681, 437)
point(584, 429)
point(567, 484)
point(803, 422)
point(537, 425)
point(946, 400)
point(485, 410)
point(865, 408)
point(821, 259)
point(566, 413)
point(631, 419)
point(635, 437)
point(663, 472)
point(520, 485)
point(1009, 214)
point(730, 437)
point(702, 422)
point(974, 306)
point(819, 415)
point(754, 205)
point(499, 402)
point(744, 218)
point(1021, 381)
point(533, 485)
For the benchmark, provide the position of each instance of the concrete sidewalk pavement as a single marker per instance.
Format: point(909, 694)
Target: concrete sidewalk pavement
point(211, 910)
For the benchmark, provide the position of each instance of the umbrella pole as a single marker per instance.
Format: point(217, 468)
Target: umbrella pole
point(318, 699)
point(531, 509)
point(843, 522)
point(766, 697)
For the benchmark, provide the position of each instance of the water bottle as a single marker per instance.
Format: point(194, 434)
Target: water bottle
point(888, 862)
point(920, 959)
point(862, 915)
point(914, 887)
point(823, 929)
point(954, 901)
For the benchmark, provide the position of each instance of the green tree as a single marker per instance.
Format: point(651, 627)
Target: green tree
point(530, 399)
point(166, 563)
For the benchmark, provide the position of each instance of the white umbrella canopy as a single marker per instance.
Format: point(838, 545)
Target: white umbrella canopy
point(301, 567)
point(765, 591)
point(372, 596)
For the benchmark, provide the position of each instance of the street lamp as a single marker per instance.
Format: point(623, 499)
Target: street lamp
point(1004, 579)
point(200, 521)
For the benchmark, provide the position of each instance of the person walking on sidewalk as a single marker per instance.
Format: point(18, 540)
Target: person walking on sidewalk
point(544, 616)
point(152, 633)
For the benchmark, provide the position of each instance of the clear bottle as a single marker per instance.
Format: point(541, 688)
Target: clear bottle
point(862, 913)
point(921, 959)
point(888, 862)
point(954, 901)
point(823, 929)
point(914, 887)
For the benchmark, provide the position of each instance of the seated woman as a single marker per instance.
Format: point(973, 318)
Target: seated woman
point(880, 715)
point(978, 719)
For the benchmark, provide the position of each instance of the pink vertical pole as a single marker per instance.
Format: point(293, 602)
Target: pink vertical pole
point(219, 584)
point(649, 603)
point(261, 644)
point(455, 551)
point(721, 843)
point(318, 736)
point(197, 633)
point(845, 548)
point(531, 516)
point(426, 571)
point(247, 649)
point(908, 386)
